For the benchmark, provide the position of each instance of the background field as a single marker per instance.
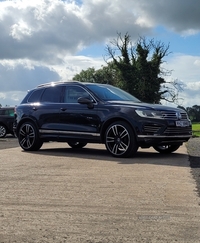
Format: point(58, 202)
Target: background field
point(196, 129)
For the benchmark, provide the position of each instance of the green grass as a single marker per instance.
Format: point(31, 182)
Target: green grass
point(196, 129)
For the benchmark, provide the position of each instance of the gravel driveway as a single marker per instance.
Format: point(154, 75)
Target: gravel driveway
point(56, 195)
point(193, 148)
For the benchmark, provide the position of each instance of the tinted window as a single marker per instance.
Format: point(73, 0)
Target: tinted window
point(35, 96)
point(52, 94)
point(108, 92)
point(8, 112)
point(72, 93)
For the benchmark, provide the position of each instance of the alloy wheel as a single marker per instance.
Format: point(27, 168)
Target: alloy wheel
point(26, 136)
point(117, 139)
point(2, 131)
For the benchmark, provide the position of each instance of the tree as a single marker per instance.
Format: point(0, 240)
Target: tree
point(140, 69)
point(194, 113)
point(105, 75)
point(136, 69)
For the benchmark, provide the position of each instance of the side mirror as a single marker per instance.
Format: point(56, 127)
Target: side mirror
point(86, 101)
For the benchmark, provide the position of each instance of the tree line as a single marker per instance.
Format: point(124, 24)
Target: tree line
point(193, 112)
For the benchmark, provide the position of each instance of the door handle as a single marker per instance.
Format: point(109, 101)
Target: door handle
point(63, 109)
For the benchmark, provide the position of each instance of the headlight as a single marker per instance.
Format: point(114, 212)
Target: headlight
point(149, 113)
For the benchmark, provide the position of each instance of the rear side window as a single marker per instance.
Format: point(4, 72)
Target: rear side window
point(35, 96)
point(52, 94)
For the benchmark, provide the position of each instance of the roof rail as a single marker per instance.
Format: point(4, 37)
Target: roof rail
point(55, 83)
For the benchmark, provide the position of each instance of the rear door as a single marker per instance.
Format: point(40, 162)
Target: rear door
point(46, 108)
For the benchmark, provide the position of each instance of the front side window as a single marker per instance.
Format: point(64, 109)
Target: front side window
point(72, 93)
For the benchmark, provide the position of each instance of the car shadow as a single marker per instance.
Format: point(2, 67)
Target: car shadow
point(141, 157)
point(194, 161)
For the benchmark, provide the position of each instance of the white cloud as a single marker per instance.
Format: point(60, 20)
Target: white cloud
point(186, 69)
point(180, 16)
point(40, 39)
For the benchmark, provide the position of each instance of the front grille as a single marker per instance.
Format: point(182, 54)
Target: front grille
point(172, 115)
point(178, 131)
point(151, 128)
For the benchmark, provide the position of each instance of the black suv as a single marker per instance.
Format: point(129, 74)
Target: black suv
point(81, 113)
point(6, 121)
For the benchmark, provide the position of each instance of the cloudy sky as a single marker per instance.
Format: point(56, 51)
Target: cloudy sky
point(52, 40)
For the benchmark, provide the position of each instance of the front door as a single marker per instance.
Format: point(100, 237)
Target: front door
point(78, 120)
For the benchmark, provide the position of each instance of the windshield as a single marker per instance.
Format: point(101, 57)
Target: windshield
point(108, 93)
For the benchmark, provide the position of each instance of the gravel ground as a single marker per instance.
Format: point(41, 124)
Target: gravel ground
point(193, 147)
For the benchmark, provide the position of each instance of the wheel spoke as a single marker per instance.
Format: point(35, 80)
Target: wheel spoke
point(115, 149)
point(124, 134)
point(115, 131)
point(28, 129)
point(2, 131)
point(22, 133)
point(29, 143)
point(110, 139)
point(22, 142)
point(123, 146)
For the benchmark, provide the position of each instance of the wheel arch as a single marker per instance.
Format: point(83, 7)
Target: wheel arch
point(26, 119)
point(107, 123)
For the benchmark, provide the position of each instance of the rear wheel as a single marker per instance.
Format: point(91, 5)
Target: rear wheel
point(28, 137)
point(2, 131)
point(77, 145)
point(166, 149)
point(120, 140)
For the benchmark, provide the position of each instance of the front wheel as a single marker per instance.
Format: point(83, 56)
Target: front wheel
point(77, 145)
point(2, 131)
point(166, 149)
point(120, 140)
point(28, 137)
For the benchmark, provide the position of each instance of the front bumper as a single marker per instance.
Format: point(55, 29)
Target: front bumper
point(166, 133)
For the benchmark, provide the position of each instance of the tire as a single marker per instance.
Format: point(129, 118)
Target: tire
point(166, 149)
point(77, 145)
point(120, 140)
point(28, 137)
point(3, 131)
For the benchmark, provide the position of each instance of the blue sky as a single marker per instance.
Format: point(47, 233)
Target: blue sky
point(45, 40)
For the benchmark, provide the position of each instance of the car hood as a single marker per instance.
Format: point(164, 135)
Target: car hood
point(143, 105)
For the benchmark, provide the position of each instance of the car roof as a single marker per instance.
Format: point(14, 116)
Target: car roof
point(69, 82)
